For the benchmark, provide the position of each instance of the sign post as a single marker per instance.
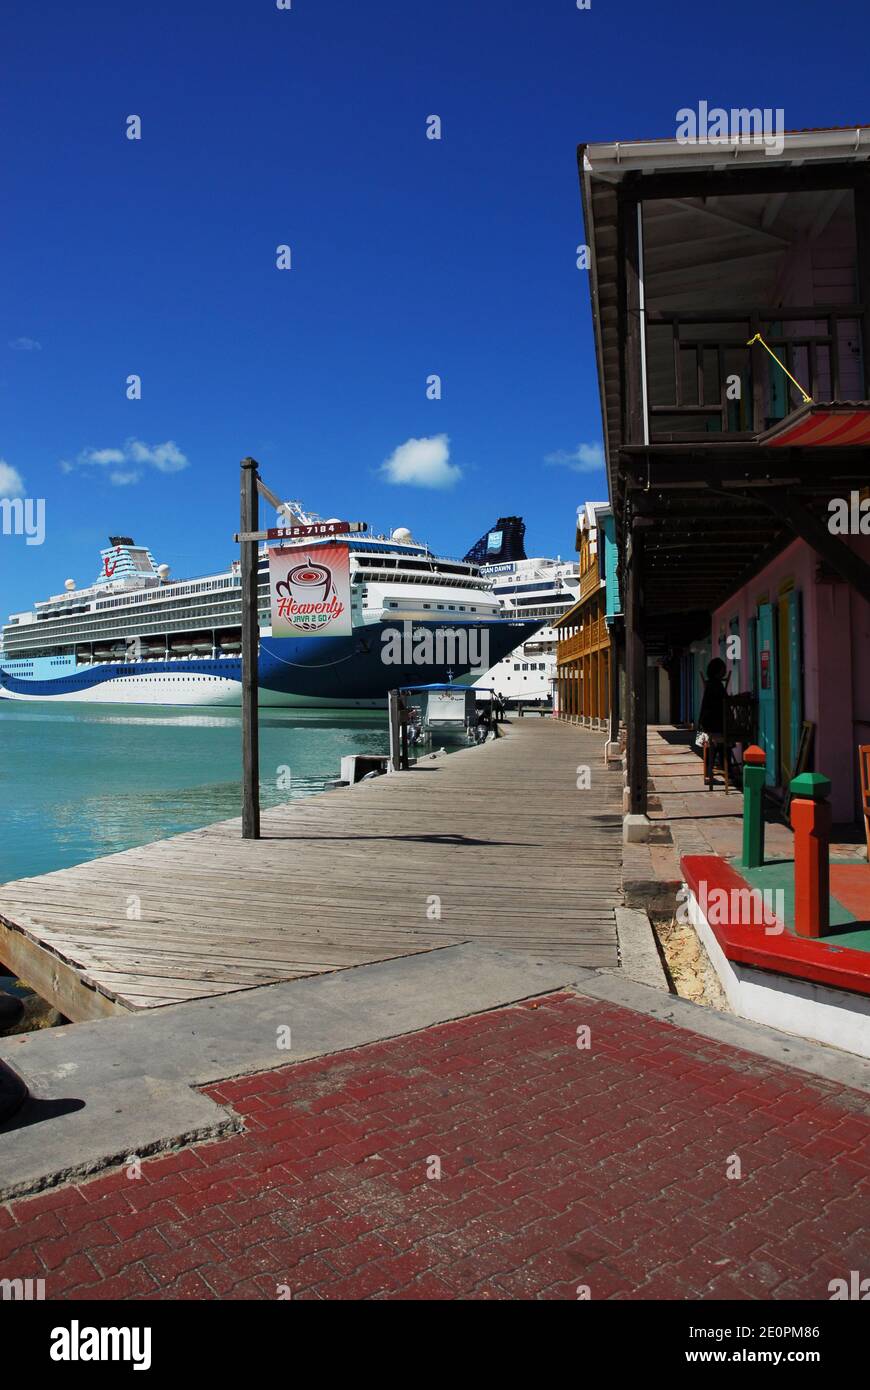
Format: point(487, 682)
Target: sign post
point(250, 655)
point(308, 598)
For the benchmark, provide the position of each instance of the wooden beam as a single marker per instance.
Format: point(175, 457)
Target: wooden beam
point(704, 183)
point(61, 985)
point(709, 209)
point(826, 211)
point(630, 323)
point(773, 209)
point(847, 563)
point(757, 470)
point(862, 238)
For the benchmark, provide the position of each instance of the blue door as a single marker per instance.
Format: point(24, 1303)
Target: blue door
point(765, 665)
point(795, 654)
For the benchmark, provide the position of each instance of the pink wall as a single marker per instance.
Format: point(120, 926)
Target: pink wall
point(836, 655)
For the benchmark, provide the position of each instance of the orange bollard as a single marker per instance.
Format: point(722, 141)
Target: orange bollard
point(811, 823)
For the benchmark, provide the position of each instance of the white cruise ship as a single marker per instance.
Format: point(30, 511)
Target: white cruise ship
point(533, 591)
point(136, 636)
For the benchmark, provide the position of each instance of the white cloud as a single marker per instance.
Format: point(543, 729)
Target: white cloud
point(25, 345)
point(11, 481)
point(422, 463)
point(167, 458)
point(129, 463)
point(101, 456)
point(586, 458)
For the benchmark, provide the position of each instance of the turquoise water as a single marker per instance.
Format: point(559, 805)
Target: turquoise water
point(79, 781)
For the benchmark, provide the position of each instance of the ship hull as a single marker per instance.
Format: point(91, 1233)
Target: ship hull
point(313, 673)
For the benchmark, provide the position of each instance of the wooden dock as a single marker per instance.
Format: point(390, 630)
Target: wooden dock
point(495, 844)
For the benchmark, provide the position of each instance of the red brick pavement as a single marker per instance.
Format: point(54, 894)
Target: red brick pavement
point(560, 1167)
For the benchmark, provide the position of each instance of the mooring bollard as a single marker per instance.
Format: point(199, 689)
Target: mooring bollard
point(811, 823)
point(753, 818)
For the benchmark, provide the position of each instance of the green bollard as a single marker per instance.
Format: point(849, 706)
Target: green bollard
point(753, 820)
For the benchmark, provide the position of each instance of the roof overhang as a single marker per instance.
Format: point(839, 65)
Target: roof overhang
point(823, 159)
point(616, 158)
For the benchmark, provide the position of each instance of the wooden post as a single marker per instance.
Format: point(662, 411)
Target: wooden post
point(862, 236)
point(250, 656)
point(636, 672)
point(811, 822)
point(753, 818)
point(630, 326)
point(615, 648)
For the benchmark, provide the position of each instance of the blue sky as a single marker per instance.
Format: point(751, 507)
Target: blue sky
point(307, 127)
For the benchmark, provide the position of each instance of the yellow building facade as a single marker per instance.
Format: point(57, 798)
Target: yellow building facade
point(583, 654)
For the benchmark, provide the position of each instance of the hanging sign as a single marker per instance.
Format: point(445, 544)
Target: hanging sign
point(314, 528)
point(310, 591)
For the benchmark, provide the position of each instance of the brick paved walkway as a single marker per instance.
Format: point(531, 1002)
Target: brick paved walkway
point(560, 1167)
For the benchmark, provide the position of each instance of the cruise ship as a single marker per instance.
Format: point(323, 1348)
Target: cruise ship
point(534, 591)
point(136, 636)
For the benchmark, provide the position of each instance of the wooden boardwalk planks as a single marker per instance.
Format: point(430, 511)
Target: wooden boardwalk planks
point(495, 844)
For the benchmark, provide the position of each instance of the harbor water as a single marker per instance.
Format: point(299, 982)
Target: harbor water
point(80, 781)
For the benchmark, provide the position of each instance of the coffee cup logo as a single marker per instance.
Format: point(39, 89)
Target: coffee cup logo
point(307, 597)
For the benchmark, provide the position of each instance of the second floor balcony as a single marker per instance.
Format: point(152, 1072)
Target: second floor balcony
point(697, 262)
point(705, 380)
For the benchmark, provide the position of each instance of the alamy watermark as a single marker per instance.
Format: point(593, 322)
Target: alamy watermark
point(24, 516)
point(411, 645)
point(737, 907)
point(22, 1290)
point(744, 125)
point(849, 516)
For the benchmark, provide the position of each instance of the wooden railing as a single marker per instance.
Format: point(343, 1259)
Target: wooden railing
point(589, 582)
point(592, 637)
point(707, 350)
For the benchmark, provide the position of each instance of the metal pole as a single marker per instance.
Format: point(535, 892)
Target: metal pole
point(395, 739)
point(250, 657)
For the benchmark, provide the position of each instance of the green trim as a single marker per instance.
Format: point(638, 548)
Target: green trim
point(779, 876)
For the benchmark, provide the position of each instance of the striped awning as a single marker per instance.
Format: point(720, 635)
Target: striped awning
point(830, 423)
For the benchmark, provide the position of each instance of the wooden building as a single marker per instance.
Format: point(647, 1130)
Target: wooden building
point(585, 664)
point(724, 464)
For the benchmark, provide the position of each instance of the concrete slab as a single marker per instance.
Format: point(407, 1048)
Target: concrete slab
point(55, 1138)
point(104, 1090)
point(92, 1105)
point(638, 950)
